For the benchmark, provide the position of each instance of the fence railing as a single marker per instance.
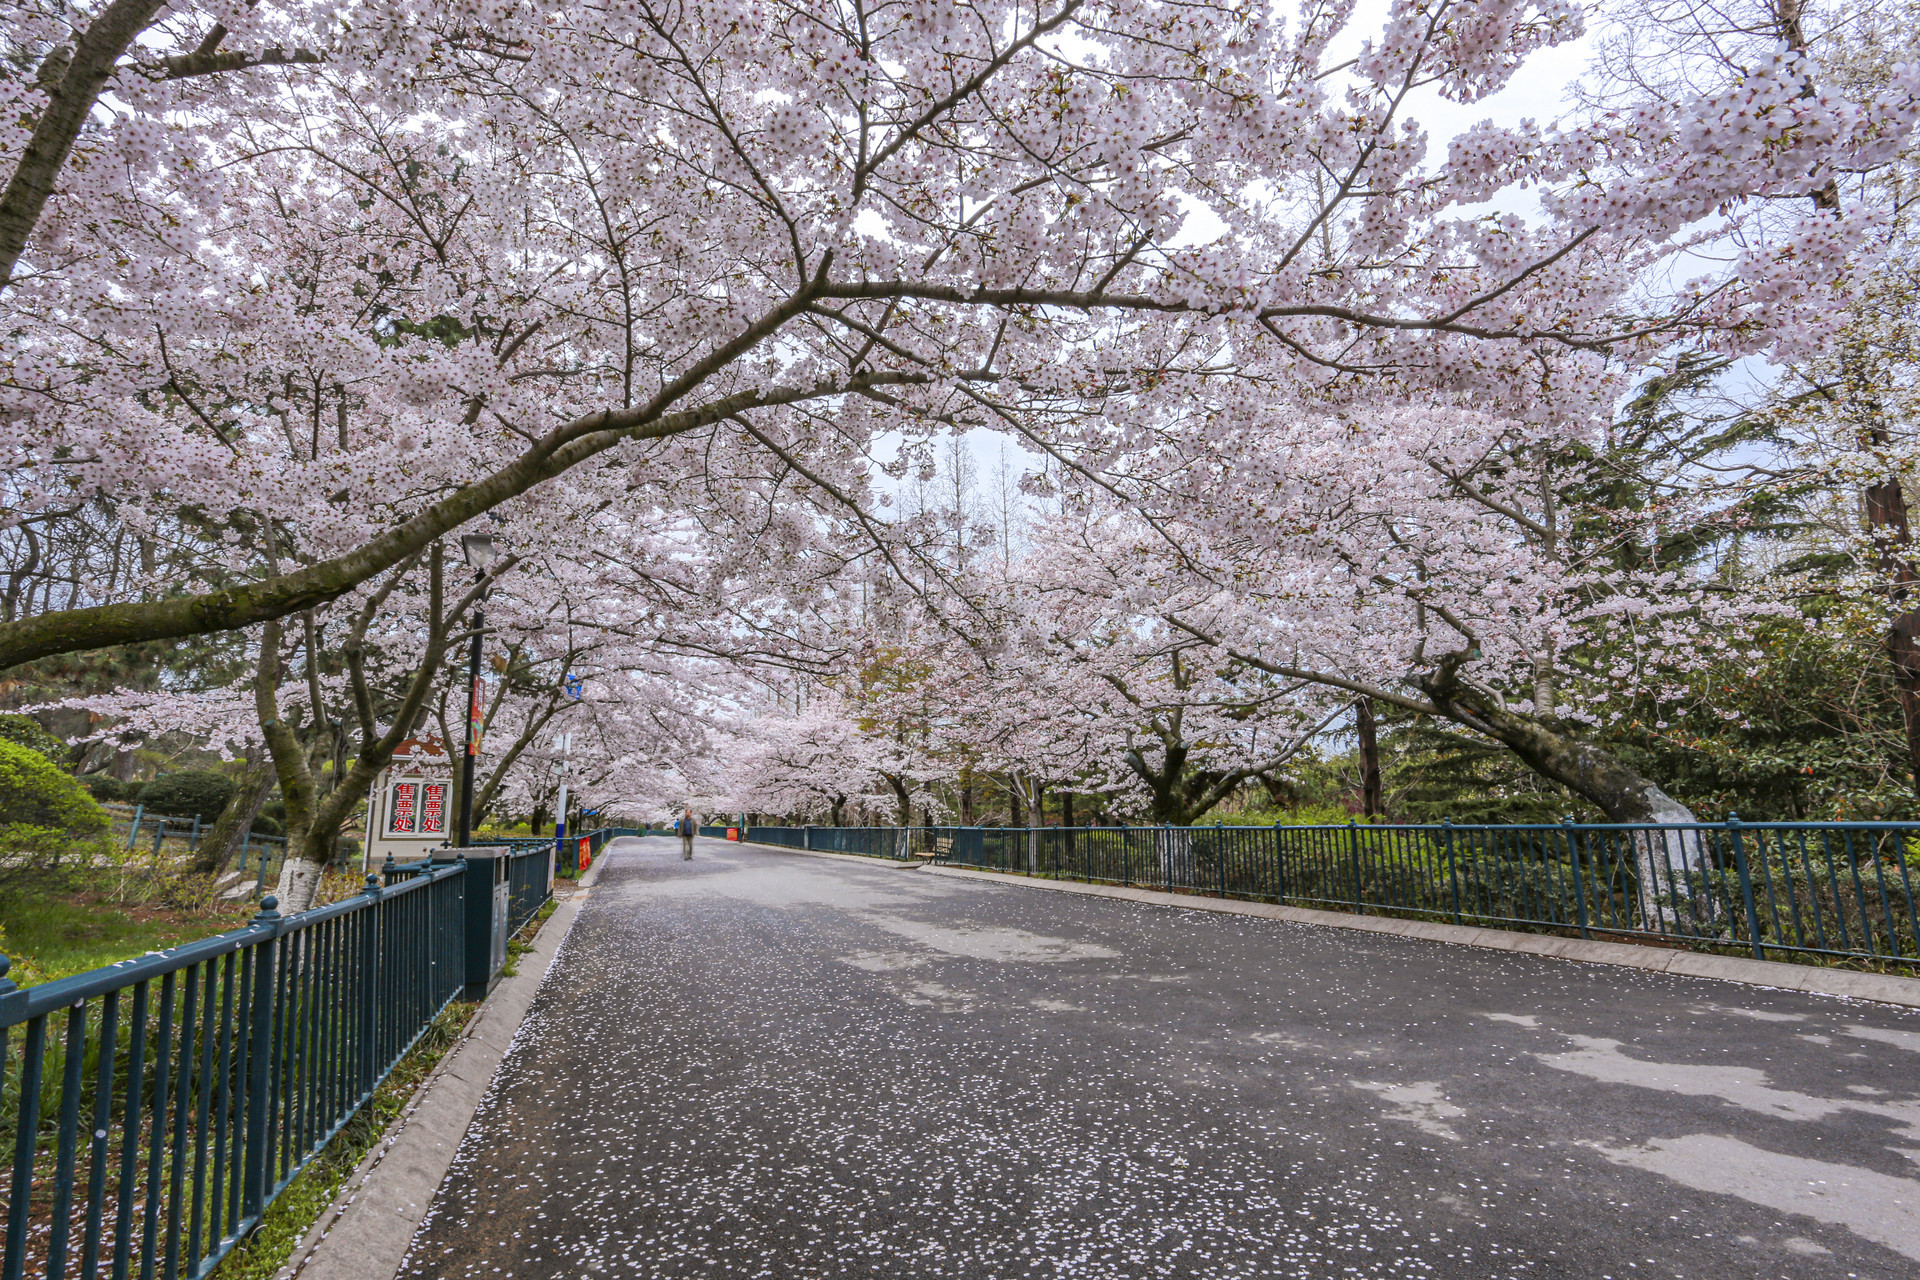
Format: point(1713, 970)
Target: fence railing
point(1773, 889)
point(872, 842)
point(529, 873)
point(155, 1108)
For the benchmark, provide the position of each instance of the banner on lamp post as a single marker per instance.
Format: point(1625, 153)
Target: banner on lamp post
point(476, 714)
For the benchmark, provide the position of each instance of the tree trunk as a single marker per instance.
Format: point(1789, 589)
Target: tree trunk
point(1666, 862)
point(1886, 511)
point(1016, 814)
point(1372, 799)
point(966, 796)
point(901, 794)
point(226, 834)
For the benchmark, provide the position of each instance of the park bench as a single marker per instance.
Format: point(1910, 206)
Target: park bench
point(942, 846)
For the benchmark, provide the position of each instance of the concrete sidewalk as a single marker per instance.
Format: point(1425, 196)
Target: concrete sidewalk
point(762, 1065)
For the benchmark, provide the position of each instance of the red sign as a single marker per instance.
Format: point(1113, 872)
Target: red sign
point(733, 833)
point(586, 852)
point(433, 808)
point(401, 820)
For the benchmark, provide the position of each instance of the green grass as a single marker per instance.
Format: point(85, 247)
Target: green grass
point(50, 933)
point(295, 1210)
point(522, 942)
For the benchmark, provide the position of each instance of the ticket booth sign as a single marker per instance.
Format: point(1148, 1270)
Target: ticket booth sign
point(417, 808)
point(409, 804)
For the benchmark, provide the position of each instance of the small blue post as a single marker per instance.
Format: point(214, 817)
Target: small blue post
point(1279, 864)
point(1746, 887)
point(1579, 876)
point(1353, 858)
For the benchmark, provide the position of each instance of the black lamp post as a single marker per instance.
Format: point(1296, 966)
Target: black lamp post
point(476, 549)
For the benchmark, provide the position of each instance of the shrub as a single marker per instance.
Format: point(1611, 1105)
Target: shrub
point(268, 826)
point(25, 731)
point(104, 786)
point(190, 793)
point(37, 793)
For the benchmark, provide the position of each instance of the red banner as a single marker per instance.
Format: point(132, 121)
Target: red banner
point(476, 715)
point(402, 818)
point(433, 808)
point(586, 852)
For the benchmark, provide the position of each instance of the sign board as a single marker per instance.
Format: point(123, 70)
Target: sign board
point(408, 812)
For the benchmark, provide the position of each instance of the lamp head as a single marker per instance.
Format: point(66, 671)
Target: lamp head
point(476, 549)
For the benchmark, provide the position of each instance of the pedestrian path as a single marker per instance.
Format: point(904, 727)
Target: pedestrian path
point(768, 1064)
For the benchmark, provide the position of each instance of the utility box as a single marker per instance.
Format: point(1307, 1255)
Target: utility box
point(488, 913)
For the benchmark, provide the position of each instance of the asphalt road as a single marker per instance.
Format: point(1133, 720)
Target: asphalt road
point(769, 1064)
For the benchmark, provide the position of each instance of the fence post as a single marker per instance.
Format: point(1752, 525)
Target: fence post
point(1453, 871)
point(26, 1129)
point(254, 1177)
point(1353, 857)
point(1579, 877)
point(1279, 864)
point(193, 837)
point(806, 836)
point(1126, 858)
point(1746, 887)
point(133, 832)
point(1165, 836)
point(1220, 856)
point(369, 985)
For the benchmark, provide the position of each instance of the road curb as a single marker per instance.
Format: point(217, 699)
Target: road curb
point(365, 1233)
point(1880, 988)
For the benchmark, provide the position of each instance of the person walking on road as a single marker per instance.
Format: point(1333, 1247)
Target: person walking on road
point(687, 828)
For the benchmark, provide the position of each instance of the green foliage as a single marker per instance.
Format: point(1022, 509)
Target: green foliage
point(1438, 774)
point(104, 787)
point(60, 933)
point(1810, 730)
point(190, 793)
point(37, 793)
point(25, 731)
point(1304, 814)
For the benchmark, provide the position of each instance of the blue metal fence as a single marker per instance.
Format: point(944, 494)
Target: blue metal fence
point(871, 842)
point(1775, 889)
point(156, 1107)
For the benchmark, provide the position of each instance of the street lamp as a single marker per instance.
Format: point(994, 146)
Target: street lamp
point(477, 550)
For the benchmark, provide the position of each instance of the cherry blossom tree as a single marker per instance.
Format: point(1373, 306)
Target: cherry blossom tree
point(345, 305)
